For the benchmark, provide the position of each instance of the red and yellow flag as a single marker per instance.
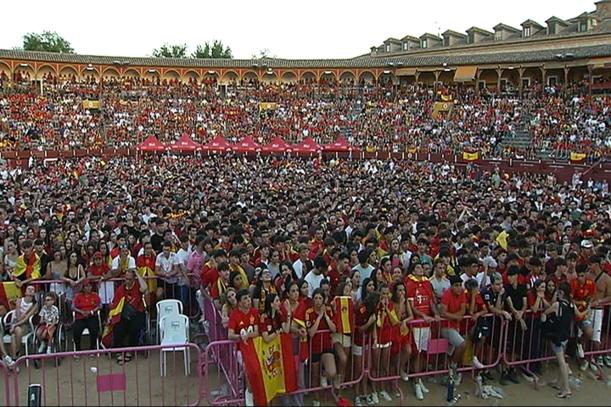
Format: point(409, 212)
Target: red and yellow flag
point(470, 155)
point(270, 367)
point(344, 314)
point(9, 292)
point(29, 268)
point(114, 316)
point(578, 157)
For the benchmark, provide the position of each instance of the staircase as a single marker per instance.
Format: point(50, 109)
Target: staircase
point(520, 139)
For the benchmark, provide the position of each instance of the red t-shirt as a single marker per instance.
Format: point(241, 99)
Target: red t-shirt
point(385, 331)
point(239, 320)
point(100, 270)
point(321, 341)
point(453, 304)
point(132, 295)
point(421, 294)
point(217, 288)
point(209, 275)
point(360, 319)
point(269, 325)
point(581, 292)
point(86, 302)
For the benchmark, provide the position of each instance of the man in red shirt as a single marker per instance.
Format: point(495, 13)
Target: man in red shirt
point(582, 291)
point(243, 325)
point(453, 308)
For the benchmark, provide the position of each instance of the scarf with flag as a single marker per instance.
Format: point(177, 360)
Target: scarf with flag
point(146, 269)
point(344, 314)
point(114, 316)
point(9, 292)
point(27, 268)
point(270, 367)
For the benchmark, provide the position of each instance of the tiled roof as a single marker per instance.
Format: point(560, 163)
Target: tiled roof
point(462, 57)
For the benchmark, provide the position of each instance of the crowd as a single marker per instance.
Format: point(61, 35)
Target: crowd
point(375, 117)
point(289, 245)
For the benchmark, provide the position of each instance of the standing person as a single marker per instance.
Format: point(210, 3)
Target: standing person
point(316, 275)
point(342, 306)
point(166, 270)
point(364, 268)
point(516, 304)
point(453, 307)
point(561, 314)
point(601, 299)
point(402, 342)
point(87, 303)
point(182, 259)
point(243, 325)
point(365, 319)
point(537, 304)
point(75, 274)
point(386, 320)
point(582, 292)
point(319, 317)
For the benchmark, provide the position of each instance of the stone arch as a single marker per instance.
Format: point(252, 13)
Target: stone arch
point(328, 77)
point(109, 73)
point(289, 77)
point(171, 75)
point(347, 78)
point(249, 76)
point(152, 75)
point(510, 78)
point(191, 76)
point(68, 71)
point(367, 77)
point(90, 72)
point(131, 73)
point(230, 77)
point(45, 70)
point(387, 77)
point(5, 70)
point(269, 77)
point(489, 76)
point(308, 76)
point(427, 78)
point(533, 75)
point(26, 71)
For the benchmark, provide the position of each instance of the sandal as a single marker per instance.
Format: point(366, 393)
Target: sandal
point(120, 360)
point(128, 357)
point(562, 395)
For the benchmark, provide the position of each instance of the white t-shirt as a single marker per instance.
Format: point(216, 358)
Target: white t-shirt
point(131, 263)
point(313, 281)
point(182, 258)
point(166, 265)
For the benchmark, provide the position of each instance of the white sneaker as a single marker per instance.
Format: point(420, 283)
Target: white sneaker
point(385, 395)
point(423, 387)
point(8, 360)
point(49, 350)
point(249, 399)
point(418, 391)
point(374, 398)
point(584, 365)
point(337, 382)
point(580, 353)
point(404, 376)
point(315, 403)
point(324, 382)
point(358, 401)
point(477, 364)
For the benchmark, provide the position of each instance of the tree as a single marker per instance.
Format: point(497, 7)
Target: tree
point(216, 51)
point(47, 41)
point(171, 51)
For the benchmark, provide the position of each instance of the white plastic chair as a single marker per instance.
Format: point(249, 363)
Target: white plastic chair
point(166, 308)
point(25, 339)
point(86, 331)
point(174, 331)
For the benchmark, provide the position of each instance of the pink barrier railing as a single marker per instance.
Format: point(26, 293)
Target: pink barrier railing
point(96, 378)
point(4, 385)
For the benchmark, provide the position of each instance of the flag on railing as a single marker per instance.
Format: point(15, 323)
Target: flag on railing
point(114, 316)
point(9, 292)
point(578, 157)
point(270, 367)
point(470, 155)
point(343, 312)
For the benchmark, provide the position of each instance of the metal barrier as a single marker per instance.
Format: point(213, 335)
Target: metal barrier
point(4, 385)
point(95, 378)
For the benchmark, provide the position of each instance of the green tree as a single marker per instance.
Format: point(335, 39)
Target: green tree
point(216, 50)
point(47, 41)
point(171, 51)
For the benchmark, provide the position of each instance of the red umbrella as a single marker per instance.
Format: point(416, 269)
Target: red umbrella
point(277, 145)
point(247, 145)
point(184, 143)
point(151, 144)
point(218, 144)
point(307, 146)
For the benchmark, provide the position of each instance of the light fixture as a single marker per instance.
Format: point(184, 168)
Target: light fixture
point(328, 72)
point(510, 68)
point(152, 70)
point(211, 72)
point(386, 72)
point(447, 70)
point(24, 65)
point(116, 62)
point(445, 64)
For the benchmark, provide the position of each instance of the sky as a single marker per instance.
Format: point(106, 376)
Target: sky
point(288, 29)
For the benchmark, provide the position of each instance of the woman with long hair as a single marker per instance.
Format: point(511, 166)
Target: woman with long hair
point(402, 343)
point(229, 303)
point(342, 306)
point(263, 287)
point(365, 319)
point(73, 277)
point(274, 319)
point(386, 320)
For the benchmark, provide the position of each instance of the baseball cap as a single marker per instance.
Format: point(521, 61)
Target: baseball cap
point(97, 255)
point(586, 244)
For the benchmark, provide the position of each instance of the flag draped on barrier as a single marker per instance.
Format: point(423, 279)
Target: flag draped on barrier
point(9, 292)
point(270, 367)
point(115, 316)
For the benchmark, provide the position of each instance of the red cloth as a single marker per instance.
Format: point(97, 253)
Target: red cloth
point(453, 304)
point(239, 320)
point(321, 340)
point(86, 302)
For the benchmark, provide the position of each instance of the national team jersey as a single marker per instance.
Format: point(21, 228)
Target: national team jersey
point(421, 293)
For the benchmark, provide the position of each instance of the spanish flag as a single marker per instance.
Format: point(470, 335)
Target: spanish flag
point(578, 157)
point(270, 367)
point(146, 272)
point(470, 156)
point(114, 317)
point(344, 314)
point(501, 239)
point(9, 292)
point(30, 269)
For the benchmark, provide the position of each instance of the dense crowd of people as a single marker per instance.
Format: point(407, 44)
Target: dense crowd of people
point(282, 245)
point(399, 118)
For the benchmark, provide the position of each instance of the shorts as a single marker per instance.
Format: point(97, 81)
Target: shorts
point(559, 348)
point(343, 339)
point(357, 350)
point(422, 336)
point(454, 338)
point(315, 357)
point(593, 320)
point(43, 330)
point(400, 342)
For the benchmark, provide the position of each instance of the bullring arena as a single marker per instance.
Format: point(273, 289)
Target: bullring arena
point(428, 223)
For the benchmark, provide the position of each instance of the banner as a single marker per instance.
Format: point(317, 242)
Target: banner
point(270, 367)
point(578, 156)
point(91, 104)
point(439, 107)
point(470, 156)
point(343, 309)
point(267, 106)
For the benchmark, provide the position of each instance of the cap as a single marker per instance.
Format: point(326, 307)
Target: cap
point(97, 255)
point(586, 244)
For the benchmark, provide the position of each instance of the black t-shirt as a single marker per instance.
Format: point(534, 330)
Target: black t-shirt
point(516, 294)
point(490, 297)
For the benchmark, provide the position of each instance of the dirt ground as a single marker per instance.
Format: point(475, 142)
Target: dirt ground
point(78, 383)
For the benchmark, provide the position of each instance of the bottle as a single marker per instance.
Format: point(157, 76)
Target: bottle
point(450, 394)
